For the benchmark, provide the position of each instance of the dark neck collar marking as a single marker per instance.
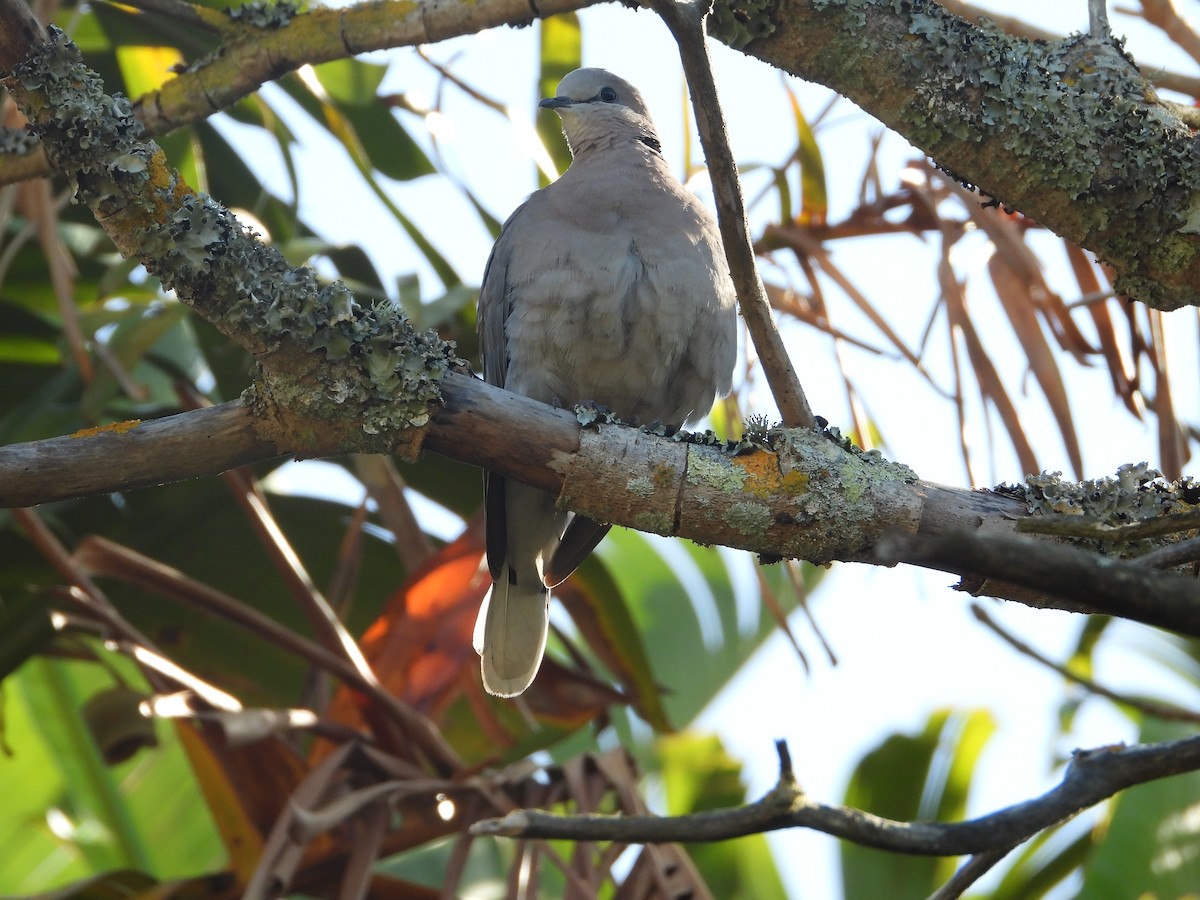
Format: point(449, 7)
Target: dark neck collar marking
point(652, 143)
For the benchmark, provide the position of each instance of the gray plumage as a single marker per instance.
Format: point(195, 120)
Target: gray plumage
point(608, 286)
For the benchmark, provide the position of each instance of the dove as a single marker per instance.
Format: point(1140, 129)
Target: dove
point(607, 287)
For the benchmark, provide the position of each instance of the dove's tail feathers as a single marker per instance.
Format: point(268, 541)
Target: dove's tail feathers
point(579, 540)
point(510, 635)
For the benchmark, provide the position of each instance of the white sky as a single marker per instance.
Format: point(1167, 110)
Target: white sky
point(907, 644)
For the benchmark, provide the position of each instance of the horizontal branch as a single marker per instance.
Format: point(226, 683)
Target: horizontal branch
point(338, 376)
point(1091, 776)
point(131, 455)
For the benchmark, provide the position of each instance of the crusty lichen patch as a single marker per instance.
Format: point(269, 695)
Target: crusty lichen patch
point(349, 353)
point(1075, 115)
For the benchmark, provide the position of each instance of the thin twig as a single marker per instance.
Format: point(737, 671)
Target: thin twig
point(685, 20)
point(970, 872)
point(1066, 525)
point(1166, 711)
point(1171, 555)
point(1165, 15)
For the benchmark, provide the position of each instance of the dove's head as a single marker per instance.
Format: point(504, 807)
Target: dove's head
point(598, 109)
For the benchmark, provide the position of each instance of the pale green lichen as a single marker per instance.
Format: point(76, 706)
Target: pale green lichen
point(641, 486)
point(391, 372)
point(715, 472)
point(17, 141)
point(1138, 492)
point(749, 518)
point(264, 15)
point(1099, 512)
point(91, 136)
point(738, 23)
point(1075, 115)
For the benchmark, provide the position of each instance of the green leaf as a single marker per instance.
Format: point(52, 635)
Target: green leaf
point(814, 197)
point(698, 775)
point(561, 51)
point(607, 619)
point(102, 826)
point(910, 777)
point(1151, 845)
point(352, 85)
point(24, 629)
point(104, 817)
point(686, 613)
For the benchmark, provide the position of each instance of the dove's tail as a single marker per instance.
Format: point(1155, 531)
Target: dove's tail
point(510, 634)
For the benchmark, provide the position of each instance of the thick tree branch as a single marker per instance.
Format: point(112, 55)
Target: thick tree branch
point(1091, 776)
point(1068, 131)
point(1085, 580)
point(337, 377)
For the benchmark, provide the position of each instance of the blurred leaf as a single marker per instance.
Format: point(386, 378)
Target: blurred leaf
point(352, 85)
point(814, 198)
point(421, 649)
point(682, 600)
point(147, 68)
point(560, 52)
point(599, 611)
point(1021, 310)
point(171, 523)
point(455, 485)
point(1150, 846)
point(244, 788)
point(344, 123)
point(138, 332)
point(101, 825)
point(1043, 863)
point(991, 386)
point(698, 775)
point(24, 630)
point(1121, 368)
point(909, 777)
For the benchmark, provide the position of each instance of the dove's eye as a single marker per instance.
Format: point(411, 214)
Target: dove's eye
point(608, 95)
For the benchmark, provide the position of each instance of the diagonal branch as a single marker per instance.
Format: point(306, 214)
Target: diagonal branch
point(685, 19)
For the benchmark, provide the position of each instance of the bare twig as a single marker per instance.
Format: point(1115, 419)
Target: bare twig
point(970, 872)
point(1091, 776)
point(685, 19)
point(1172, 555)
point(1160, 710)
point(1090, 527)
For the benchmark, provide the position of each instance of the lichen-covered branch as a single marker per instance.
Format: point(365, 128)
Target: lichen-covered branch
point(1068, 132)
point(335, 375)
